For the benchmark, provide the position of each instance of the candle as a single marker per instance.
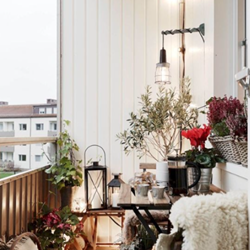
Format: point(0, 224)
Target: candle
point(115, 198)
point(83, 206)
point(96, 201)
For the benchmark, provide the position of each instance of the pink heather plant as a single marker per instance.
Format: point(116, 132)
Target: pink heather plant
point(222, 109)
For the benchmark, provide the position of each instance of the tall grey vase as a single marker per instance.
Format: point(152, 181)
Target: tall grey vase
point(203, 186)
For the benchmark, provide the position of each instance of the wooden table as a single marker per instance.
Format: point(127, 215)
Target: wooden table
point(129, 201)
point(94, 215)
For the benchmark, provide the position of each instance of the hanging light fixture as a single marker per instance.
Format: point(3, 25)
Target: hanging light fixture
point(162, 73)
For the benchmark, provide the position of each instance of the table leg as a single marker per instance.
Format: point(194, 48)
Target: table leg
point(145, 224)
point(153, 221)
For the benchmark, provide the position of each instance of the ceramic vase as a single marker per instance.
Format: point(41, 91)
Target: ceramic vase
point(162, 175)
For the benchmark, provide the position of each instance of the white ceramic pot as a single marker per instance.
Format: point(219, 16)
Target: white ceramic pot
point(162, 175)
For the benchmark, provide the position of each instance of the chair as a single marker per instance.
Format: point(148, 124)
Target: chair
point(22, 242)
point(217, 221)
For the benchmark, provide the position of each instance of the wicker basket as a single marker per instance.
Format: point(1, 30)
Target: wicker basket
point(227, 147)
point(243, 150)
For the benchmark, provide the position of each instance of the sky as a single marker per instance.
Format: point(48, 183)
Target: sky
point(28, 51)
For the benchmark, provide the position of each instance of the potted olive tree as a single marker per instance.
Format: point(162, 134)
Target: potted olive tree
point(155, 128)
point(65, 168)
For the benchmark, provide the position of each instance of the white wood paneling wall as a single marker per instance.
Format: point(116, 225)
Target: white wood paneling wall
point(109, 52)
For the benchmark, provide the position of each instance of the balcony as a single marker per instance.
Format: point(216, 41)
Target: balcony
point(52, 133)
point(7, 133)
point(21, 193)
point(7, 149)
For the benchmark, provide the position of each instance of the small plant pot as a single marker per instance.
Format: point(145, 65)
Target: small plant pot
point(203, 186)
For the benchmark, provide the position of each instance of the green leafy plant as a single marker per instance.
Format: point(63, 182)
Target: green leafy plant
point(157, 124)
point(65, 168)
point(54, 227)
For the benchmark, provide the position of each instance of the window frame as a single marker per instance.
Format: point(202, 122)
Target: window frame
point(42, 126)
point(22, 157)
point(21, 125)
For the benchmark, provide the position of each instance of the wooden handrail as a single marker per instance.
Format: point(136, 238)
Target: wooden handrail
point(8, 141)
point(21, 175)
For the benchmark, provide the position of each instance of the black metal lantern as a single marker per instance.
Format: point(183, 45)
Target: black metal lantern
point(96, 183)
point(114, 189)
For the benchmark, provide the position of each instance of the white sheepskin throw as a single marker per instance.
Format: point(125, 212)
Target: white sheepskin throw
point(212, 222)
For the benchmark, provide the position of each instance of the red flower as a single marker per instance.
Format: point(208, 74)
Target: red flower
point(63, 226)
point(197, 136)
point(51, 219)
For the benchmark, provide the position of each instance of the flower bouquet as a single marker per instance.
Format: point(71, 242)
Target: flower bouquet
point(54, 227)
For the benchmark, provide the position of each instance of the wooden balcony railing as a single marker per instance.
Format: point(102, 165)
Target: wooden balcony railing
point(20, 194)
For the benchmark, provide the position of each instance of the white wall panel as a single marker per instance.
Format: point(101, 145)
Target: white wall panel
point(139, 59)
point(110, 49)
point(92, 69)
point(104, 76)
point(67, 37)
point(79, 74)
point(116, 79)
point(128, 76)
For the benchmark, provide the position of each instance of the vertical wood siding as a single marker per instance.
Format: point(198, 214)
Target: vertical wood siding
point(109, 52)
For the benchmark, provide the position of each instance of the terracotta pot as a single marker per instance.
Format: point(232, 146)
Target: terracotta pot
point(66, 196)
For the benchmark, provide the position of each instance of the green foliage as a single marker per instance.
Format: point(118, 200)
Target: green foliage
point(221, 129)
point(157, 123)
point(66, 170)
point(207, 157)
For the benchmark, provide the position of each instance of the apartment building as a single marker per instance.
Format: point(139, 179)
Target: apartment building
point(33, 120)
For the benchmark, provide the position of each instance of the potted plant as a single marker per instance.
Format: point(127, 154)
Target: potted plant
point(155, 129)
point(228, 120)
point(205, 158)
point(65, 168)
point(54, 227)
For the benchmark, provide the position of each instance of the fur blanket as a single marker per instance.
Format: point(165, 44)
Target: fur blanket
point(131, 220)
point(212, 222)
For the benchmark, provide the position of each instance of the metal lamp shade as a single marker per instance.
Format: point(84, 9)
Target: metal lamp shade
point(114, 188)
point(162, 73)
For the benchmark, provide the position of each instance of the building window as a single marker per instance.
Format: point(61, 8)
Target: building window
point(22, 157)
point(54, 110)
point(41, 110)
point(10, 126)
point(23, 126)
point(38, 158)
point(8, 156)
point(53, 126)
point(39, 126)
point(1, 126)
point(48, 110)
point(1, 156)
